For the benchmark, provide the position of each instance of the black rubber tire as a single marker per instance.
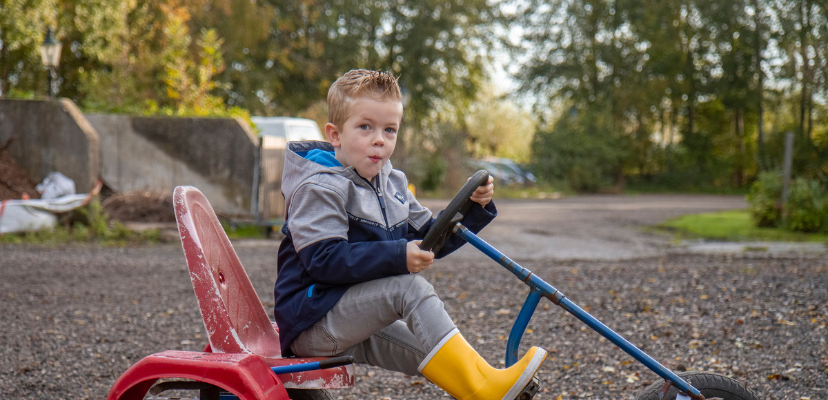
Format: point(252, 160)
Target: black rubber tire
point(460, 203)
point(709, 384)
point(309, 394)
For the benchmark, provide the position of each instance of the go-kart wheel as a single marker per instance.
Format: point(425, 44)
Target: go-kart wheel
point(457, 208)
point(309, 394)
point(709, 384)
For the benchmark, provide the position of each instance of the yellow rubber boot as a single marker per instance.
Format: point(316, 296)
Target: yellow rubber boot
point(459, 370)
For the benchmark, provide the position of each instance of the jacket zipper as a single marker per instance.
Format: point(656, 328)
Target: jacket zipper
point(381, 199)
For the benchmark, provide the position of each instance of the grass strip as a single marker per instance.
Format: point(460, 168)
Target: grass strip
point(734, 226)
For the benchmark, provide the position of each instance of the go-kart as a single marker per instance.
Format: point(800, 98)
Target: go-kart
point(243, 358)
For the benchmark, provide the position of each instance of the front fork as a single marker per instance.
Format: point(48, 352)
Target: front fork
point(520, 325)
point(539, 288)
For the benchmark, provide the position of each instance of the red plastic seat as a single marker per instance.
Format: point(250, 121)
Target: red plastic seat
point(233, 316)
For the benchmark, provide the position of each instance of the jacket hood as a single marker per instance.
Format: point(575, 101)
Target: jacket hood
point(298, 169)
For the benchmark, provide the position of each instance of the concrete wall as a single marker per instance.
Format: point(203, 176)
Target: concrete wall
point(51, 136)
point(216, 155)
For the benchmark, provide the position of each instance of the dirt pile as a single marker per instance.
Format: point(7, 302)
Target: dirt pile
point(14, 180)
point(140, 206)
point(137, 206)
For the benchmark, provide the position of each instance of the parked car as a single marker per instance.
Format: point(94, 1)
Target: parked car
point(289, 128)
point(505, 171)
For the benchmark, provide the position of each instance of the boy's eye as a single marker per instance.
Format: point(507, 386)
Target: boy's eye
point(364, 127)
point(390, 130)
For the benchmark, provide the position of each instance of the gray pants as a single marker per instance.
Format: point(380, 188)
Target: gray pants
point(392, 323)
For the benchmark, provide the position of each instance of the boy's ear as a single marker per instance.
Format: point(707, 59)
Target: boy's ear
point(332, 132)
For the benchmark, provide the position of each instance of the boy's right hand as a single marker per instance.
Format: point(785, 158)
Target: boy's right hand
point(416, 259)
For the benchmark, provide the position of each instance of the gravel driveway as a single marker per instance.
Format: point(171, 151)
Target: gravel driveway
point(76, 318)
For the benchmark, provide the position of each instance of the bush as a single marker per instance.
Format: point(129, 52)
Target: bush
point(806, 210)
point(765, 199)
point(580, 149)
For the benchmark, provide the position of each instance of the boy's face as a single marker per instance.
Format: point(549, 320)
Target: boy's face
point(367, 138)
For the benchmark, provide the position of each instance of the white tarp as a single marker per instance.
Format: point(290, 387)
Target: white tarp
point(33, 215)
point(55, 185)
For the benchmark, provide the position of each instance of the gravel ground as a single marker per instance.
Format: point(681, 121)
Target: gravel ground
point(76, 318)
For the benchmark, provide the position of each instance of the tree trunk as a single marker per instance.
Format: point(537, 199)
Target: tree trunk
point(4, 73)
point(690, 117)
point(740, 159)
point(760, 88)
point(810, 114)
point(803, 48)
point(691, 95)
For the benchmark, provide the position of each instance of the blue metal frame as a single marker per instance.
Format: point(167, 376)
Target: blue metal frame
point(289, 369)
point(522, 321)
point(540, 288)
point(314, 365)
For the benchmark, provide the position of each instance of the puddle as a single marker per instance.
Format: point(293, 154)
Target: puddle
point(757, 248)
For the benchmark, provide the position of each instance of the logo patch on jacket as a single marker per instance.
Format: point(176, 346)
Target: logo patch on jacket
point(400, 197)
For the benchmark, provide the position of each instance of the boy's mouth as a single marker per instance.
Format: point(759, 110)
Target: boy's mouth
point(375, 159)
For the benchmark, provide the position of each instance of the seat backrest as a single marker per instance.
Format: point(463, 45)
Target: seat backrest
point(233, 315)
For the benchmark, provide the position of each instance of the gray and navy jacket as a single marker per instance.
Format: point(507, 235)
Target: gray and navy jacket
point(341, 230)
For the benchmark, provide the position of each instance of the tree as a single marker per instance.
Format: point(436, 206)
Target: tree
point(22, 28)
point(282, 56)
point(498, 127)
point(116, 54)
point(683, 82)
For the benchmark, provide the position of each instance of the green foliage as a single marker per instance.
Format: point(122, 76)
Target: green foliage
point(807, 207)
point(229, 58)
point(435, 169)
point(734, 225)
point(701, 92)
point(433, 157)
point(765, 199)
point(498, 127)
point(676, 90)
point(806, 210)
point(581, 150)
point(22, 28)
point(247, 231)
point(189, 84)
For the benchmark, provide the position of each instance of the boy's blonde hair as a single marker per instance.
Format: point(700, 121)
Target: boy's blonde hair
point(359, 83)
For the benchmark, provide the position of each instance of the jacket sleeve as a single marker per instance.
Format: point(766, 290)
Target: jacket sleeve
point(319, 229)
point(475, 220)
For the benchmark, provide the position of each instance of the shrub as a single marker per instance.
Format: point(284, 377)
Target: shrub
point(806, 208)
point(765, 199)
point(581, 149)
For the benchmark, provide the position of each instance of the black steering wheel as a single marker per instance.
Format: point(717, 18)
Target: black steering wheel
point(456, 210)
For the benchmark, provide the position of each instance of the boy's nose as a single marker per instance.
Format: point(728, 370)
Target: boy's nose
point(379, 140)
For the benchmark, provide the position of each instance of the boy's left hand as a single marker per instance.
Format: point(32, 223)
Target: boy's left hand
point(483, 194)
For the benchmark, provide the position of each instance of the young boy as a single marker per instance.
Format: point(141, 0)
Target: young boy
point(347, 271)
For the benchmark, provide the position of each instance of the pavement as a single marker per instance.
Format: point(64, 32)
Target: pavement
point(610, 227)
point(603, 227)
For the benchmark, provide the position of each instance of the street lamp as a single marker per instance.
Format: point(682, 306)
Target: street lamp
point(50, 53)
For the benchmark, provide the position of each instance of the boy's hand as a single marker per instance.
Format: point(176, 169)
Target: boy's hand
point(483, 194)
point(416, 259)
